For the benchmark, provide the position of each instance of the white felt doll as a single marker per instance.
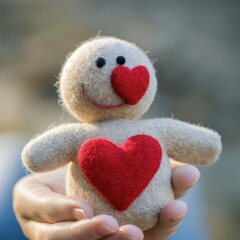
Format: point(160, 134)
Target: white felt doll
point(118, 163)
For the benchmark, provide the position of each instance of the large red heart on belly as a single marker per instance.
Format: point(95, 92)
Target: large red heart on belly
point(120, 173)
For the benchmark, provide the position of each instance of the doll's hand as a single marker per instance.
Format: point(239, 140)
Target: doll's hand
point(44, 212)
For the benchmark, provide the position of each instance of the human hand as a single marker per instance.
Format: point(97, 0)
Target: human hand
point(44, 212)
point(183, 178)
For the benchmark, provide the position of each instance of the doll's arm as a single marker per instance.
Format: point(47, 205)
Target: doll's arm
point(189, 143)
point(53, 148)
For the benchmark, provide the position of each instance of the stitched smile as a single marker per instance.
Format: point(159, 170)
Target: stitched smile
point(88, 99)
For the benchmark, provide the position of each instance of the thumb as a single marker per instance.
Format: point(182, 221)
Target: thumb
point(36, 201)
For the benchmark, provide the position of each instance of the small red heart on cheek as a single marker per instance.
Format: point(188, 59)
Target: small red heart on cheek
point(120, 173)
point(129, 84)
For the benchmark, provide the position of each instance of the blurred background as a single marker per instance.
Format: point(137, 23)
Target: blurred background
point(197, 48)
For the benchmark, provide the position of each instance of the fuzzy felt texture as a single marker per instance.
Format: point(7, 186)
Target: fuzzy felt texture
point(100, 101)
point(129, 84)
point(113, 169)
point(94, 103)
point(87, 91)
point(181, 141)
point(144, 210)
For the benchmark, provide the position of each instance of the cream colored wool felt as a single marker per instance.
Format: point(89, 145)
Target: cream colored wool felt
point(80, 69)
point(181, 141)
point(59, 146)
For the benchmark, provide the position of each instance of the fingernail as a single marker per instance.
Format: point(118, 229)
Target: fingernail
point(193, 176)
point(132, 232)
point(106, 229)
point(78, 214)
point(197, 174)
point(179, 217)
point(108, 225)
point(179, 211)
point(109, 228)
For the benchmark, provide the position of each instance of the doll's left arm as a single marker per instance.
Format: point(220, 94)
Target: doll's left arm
point(189, 143)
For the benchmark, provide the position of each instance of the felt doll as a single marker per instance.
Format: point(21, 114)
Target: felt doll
point(117, 162)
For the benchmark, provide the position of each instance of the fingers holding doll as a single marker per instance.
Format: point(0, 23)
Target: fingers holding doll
point(34, 200)
point(45, 214)
point(184, 177)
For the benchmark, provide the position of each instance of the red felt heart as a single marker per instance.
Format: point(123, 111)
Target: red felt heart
point(129, 84)
point(120, 173)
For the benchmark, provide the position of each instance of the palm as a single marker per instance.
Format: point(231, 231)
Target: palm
point(55, 218)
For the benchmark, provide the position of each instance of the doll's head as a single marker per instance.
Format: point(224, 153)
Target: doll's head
point(107, 78)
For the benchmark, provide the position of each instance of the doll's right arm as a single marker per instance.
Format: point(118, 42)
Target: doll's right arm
point(54, 148)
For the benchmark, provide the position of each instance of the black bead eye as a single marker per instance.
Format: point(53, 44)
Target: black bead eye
point(121, 60)
point(100, 62)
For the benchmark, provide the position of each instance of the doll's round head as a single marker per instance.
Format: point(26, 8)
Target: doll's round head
point(107, 78)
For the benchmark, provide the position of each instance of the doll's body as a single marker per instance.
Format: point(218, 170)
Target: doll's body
point(118, 163)
point(144, 210)
point(63, 143)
